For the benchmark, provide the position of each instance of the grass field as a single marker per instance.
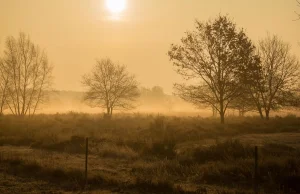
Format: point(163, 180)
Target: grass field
point(148, 154)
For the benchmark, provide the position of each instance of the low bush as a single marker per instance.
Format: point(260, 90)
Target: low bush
point(228, 150)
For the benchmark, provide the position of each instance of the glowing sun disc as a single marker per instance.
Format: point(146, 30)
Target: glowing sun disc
point(116, 6)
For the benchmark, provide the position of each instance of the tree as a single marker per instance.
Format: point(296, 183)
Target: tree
point(243, 103)
point(279, 76)
point(298, 14)
point(3, 87)
point(214, 56)
point(28, 74)
point(110, 86)
point(158, 91)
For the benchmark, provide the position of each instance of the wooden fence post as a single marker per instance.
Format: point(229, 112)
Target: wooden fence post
point(86, 159)
point(256, 170)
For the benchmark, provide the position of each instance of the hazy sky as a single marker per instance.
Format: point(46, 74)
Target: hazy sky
point(77, 32)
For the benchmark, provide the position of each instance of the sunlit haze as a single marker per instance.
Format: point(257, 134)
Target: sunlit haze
point(150, 96)
point(75, 33)
point(116, 6)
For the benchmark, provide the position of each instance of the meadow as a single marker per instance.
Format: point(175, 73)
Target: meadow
point(140, 153)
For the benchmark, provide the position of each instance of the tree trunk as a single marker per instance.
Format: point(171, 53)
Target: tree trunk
point(108, 113)
point(2, 105)
point(214, 111)
point(222, 116)
point(261, 114)
point(260, 111)
point(111, 112)
point(222, 112)
point(267, 114)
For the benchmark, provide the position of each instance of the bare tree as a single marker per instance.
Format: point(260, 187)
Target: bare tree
point(28, 75)
point(3, 87)
point(279, 76)
point(298, 14)
point(214, 56)
point(110, 86)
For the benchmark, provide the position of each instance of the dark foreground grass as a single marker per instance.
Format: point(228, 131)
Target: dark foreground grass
point(148, 154)
point(17, 185)
point(221, 172)
point(49, 129)
point(73, 179)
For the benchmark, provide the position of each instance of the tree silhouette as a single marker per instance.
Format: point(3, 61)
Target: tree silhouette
point(280, 71)
point(110, 86)
point(298, 14)
point(26, 75)
point(3, 87)
point(219, 58)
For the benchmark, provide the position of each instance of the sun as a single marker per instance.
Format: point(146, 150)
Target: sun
point(116, 6)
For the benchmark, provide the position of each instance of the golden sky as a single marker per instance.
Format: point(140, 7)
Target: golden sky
point(77, 32)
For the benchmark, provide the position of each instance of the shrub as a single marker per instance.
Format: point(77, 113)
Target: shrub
point(228, 150)
point(160, 149)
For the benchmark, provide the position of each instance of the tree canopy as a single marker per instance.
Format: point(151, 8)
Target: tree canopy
point(217, 59)
point(26, 75)
point(110, 86)
point(279, 76)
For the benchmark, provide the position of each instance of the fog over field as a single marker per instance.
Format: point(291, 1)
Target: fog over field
point(148, 103)
point(150, 96)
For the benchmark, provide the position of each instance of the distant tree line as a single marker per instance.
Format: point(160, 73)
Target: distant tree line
point(156, 96)
point(225, 69)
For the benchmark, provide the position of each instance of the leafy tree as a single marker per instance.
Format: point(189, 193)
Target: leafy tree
point(110, 86)
point(217, 57)
point(243, 103)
